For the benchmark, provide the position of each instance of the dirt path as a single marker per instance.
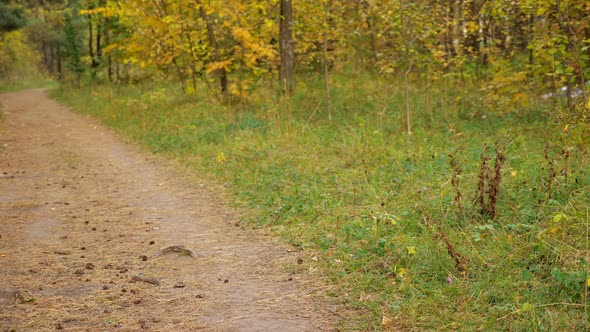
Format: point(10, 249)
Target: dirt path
point(90, 230)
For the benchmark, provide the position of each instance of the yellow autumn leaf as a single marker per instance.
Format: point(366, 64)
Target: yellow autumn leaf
point(401, 272)
point(241, 34)
point(218, 65)
point(95, 11)
point(220, 159)
point(269, 23)
point(387, 322)
point(520, 98)
point(411, 250)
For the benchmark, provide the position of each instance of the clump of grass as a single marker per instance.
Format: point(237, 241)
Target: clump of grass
point(27, 83)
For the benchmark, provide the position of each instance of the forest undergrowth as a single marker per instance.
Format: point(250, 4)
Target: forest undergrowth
point(477, 221)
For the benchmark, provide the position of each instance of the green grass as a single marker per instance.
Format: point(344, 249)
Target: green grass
point(355, 191)
point(27, 83)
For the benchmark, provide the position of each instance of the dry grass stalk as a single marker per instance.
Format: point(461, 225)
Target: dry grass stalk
point(456, 180)
point(554, 161)
point(490, 178)
point(461, 262)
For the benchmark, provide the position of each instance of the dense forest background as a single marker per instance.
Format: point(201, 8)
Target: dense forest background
point(431, 156)
point(507, 48)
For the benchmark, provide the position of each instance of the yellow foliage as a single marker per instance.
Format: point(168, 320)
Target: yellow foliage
point(110, 10)
point(401, 272)
point(219, 65)
point(220, 158)
point(507, 92)
point(240, 88)
point(17, 58)
point(243, 36)
point(520, 98)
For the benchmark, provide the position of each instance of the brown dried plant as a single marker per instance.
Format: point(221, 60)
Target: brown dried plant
point(557, 158)
point(489, 180)
point(456, 180)
point(461, 262)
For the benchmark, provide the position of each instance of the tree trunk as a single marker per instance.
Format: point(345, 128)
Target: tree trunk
point(326, 62)
point(52, 57)
point(91, 42)
point(213, 42)
point(364, 7)
point(530, 37)
point(407, 45)
point(287, 65)
point(46, 56)
point(59, 67)
point(107, 39)
point(99, 32)
point(194, 56)
point(457, 22)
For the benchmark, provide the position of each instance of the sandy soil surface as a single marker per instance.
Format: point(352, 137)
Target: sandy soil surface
point(96, 235)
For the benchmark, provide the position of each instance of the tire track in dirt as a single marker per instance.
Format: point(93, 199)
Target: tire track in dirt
point(83, 222)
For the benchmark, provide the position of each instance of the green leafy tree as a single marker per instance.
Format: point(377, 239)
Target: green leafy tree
point(11, 18)
point(73, 46)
